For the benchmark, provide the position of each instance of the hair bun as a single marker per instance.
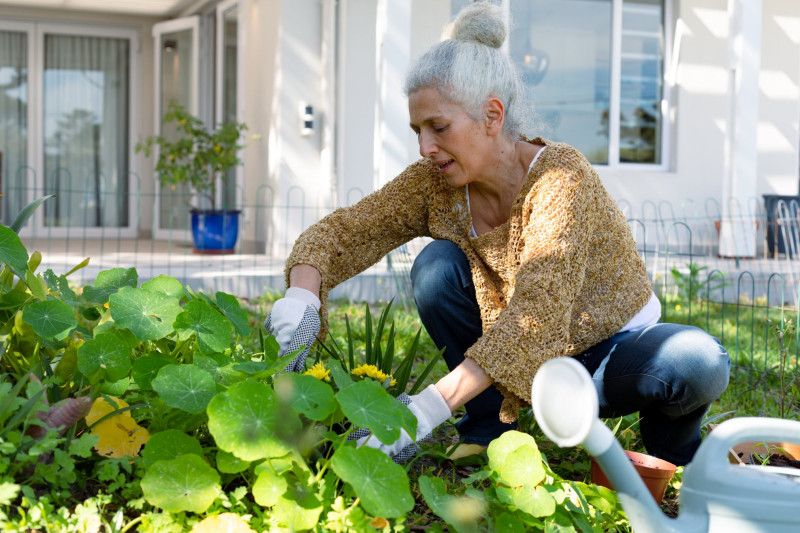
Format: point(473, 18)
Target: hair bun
point(483, 22)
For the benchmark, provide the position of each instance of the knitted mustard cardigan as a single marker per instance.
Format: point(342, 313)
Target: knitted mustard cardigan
point(560, 275)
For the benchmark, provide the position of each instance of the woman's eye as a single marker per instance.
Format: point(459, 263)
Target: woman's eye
point(439, 129)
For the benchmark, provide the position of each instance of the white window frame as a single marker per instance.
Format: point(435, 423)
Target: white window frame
point(221, 8)
point(170, 26)
point(35, 144)
point(28, 28)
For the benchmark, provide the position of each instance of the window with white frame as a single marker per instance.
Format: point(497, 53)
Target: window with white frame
point(593, 71)
point(66, 116)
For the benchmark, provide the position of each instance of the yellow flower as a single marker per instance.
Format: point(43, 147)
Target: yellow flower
point(678, 307)
point(319, 372)
point(217, 148)
point(372, 372)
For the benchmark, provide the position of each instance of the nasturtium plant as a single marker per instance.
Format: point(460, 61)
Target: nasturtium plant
point(381, 484)
point(170, 444)
point(104, 355)
point(230, 307)
point(165, 284)
point(368, 405)
point(521, 450)
point(51, 319)
point(146, 368)
point(211, 329)
point(269, 487)
point(222, 523)
point(186, 483)
point(461, 513)
point(108, 282)
point(308, 395)
point(227, 463)
point(185, 387)
point(246, 420)
point(148, 314)
point(12, 251)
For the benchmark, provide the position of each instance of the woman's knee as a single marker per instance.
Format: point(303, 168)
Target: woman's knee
point(702, 361)
point(441, 266)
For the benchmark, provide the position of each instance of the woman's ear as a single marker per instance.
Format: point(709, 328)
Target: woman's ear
point(495, 115)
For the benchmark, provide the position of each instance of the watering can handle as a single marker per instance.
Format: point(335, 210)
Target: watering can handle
point(714, 450)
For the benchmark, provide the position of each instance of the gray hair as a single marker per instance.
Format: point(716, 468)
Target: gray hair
point(468, 67)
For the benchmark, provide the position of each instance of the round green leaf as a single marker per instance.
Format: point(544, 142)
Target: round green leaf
point(462, 513)
point(108, 282)
point(220, 367)
point(51, 319)
point(296, 510)
point(247, 421)
point(165, 284)
point(186, 483)
point(185, 387)
point(307, 395)
point(381, 484)
point(536, 501)
point(149, 315)
point(146, 368)
point(107, 354)
point(229, 306)
point(170, 444)
point(529, 458)
point(368, 405)
point(523, 466)
point(268, 488)
point(213, 331)
point(12, 251)
point(227, 463)
point(116, 388)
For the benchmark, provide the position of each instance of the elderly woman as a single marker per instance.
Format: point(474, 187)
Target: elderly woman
point(532, 259)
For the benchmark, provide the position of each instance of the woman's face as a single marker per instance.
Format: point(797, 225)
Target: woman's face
point(450, 138)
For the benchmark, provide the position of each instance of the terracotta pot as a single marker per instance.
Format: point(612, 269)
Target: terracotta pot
point(656, 473)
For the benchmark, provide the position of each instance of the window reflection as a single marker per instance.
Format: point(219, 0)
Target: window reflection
point(640, 81)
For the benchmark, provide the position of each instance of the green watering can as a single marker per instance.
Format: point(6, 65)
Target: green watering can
point(715, 495)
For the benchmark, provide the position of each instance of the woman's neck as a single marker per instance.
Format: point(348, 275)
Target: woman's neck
point(494, 194)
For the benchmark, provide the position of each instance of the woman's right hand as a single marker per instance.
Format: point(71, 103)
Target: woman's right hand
point(294, 321)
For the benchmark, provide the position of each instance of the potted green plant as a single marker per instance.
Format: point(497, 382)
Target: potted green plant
point(197, 156)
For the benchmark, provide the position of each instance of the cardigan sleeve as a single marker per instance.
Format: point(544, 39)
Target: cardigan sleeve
point(557, 224)
point(351, 239)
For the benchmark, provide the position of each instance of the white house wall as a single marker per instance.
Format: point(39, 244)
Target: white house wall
point(779, 107)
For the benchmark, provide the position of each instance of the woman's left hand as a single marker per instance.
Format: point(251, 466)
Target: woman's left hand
point(430, 409)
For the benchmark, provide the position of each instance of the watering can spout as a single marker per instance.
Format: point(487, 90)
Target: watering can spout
point(565, 405)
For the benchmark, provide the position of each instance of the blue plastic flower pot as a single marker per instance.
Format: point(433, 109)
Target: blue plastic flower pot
point(215, 231)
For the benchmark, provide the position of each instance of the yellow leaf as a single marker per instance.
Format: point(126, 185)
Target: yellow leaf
point(379, 522)
point(119, 435)
point(224, 523)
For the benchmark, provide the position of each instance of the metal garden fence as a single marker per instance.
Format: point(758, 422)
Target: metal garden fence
point(738, 299)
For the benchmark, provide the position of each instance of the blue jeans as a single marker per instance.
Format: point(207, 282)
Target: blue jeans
point(669, 373)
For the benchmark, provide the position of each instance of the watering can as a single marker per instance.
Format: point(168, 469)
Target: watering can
point(715, 495)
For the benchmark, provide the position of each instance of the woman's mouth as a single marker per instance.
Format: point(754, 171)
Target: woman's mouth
point(443, 167)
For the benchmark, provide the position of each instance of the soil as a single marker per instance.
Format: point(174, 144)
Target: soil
point(777, 459)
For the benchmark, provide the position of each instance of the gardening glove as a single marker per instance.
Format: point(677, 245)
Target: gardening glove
point(294, 321)
point(430, 409)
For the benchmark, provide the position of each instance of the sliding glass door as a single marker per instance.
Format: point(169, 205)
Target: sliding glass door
point(177, 80)
point(14, 110)
point(228, 88)
point(86, 91)
point(65, 125)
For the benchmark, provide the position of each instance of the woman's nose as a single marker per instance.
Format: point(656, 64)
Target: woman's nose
point(426, 146)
